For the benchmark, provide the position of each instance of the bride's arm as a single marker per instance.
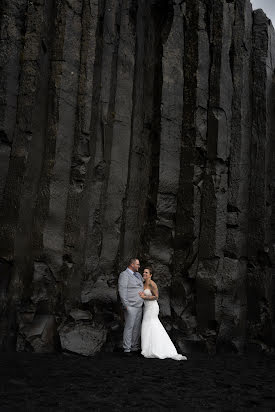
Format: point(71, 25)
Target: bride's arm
point(154, 290)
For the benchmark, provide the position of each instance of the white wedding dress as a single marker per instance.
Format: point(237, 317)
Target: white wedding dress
point(155, 342)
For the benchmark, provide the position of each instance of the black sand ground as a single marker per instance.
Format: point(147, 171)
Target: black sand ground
point(109, 382)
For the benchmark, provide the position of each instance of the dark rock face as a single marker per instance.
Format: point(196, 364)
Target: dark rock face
point(136, 128)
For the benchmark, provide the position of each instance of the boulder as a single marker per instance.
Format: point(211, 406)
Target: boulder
point(83, 339)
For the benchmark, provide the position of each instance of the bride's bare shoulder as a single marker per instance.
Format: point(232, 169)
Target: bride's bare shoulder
point(153, 284)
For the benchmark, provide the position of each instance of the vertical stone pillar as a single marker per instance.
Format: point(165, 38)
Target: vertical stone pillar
point(232, 285)
point(259, 282)
point(215, 185)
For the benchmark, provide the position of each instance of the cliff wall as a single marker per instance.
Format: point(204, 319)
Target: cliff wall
point(136, 128)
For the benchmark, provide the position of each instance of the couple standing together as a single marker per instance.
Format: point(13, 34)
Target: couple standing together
point(155, 342)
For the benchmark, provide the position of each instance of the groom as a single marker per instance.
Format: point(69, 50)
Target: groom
point(130, 283)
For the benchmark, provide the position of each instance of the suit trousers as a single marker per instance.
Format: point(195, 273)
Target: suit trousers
point(132, 328)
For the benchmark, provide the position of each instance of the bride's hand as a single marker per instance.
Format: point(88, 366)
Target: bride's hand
point(141, 294)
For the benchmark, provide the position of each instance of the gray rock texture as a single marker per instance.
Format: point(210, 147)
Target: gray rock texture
point(136, 128)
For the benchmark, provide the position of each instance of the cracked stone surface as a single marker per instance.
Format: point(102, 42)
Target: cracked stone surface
point(136, 128)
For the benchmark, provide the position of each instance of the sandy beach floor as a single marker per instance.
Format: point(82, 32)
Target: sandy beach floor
point(109, 382)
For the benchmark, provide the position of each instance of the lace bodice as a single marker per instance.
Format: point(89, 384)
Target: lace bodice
point(149, 302)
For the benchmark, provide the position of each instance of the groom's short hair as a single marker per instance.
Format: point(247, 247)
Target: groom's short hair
point(131, 260)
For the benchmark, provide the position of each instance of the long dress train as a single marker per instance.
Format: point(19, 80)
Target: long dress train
point(155, 342)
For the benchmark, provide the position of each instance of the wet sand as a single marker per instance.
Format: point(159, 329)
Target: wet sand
point(109, 382)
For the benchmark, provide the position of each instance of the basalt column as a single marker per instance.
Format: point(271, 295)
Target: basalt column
point(259, 276)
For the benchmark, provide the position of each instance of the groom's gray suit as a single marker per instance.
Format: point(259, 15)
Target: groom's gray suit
point(129, 285)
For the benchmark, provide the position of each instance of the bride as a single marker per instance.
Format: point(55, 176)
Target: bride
point(155, 342)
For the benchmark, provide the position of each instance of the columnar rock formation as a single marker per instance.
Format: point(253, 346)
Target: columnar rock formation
point(136, 128)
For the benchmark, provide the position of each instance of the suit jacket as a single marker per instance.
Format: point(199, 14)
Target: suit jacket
point(128, 288)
